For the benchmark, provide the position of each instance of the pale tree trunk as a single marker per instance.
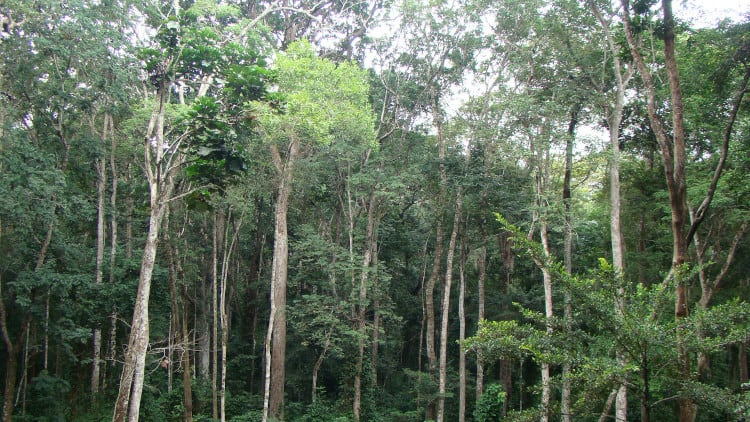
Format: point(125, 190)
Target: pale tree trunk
point(367, 259)
point(375, 300)
point(549, 314)
point(614, 119)
point(565, 408)
point(429, 292)
point(462, 336)
point(375, 318)
point(129, 208)
point(174, 315)
point(109, 360)
point(224, 314)
point(319, 363)
point(218, 232)
point(101, 189)
point(273, 400)
point(481, 277)
point(542, 182)
point(443, 377)
point(160, 166)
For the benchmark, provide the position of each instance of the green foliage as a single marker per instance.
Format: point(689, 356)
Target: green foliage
point(323, 102)
point(489, 408)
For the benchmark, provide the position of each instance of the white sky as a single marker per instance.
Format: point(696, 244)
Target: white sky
point(709, 12)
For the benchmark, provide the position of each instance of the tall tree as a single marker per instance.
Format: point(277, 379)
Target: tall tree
point(672, 146)
point(323, 103)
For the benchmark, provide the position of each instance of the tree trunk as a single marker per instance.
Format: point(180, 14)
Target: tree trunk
point(319, 363)
point(187, 378)
point(11, 364)
point(443, 378)
point(480, 307)
point(218, 232)
point(11, 370)
point(614, 120)
point(101, 189)
point(674, 159)
point(367, 257)
point(224, 311)
point(161, 184)
point(742, 358)
point(565, 408)
point(432, 360)
point(462, 337)
point(181, 331)
point(276, 335)
point(110, 358)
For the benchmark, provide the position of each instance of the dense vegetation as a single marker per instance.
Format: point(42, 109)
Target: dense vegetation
point(379, 211)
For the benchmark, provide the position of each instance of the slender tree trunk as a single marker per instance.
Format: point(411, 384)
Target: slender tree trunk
point(432, 359)
point(224, 311)
point(161, 184)
point(614, 120)
point(565, 408)
point(542, 182)
point(174, 318)
point(549, 314)
point(112, 255)
point(11, 370)
point(443, 378)
point(218, 231)
point(186, 369)
point(276, 335)
point(319, 363)
point(367, 257)
point(462, 337)
point(101, 189)
point(646, 392)
point(204, 331)
point(480, 306)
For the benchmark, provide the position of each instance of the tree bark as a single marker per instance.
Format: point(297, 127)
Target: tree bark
point(101, 189)
point(674, 159)
point(549, 314)
point(462, 337)
point(187, 383)
point(432, 359)
point(161, 184)
point(276, 335)
point(109, 360)
point(224, 311)
point(218, 232)
point(369, 251)
point(565, 408)
point(446, 307)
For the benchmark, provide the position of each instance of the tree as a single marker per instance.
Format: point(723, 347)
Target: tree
point(672, 146)
point(312, 113)
point(168, 144)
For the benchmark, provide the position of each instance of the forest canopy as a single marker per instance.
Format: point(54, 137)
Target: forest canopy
point(373, 211)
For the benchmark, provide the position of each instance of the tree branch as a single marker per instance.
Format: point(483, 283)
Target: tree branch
point(700, 213)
